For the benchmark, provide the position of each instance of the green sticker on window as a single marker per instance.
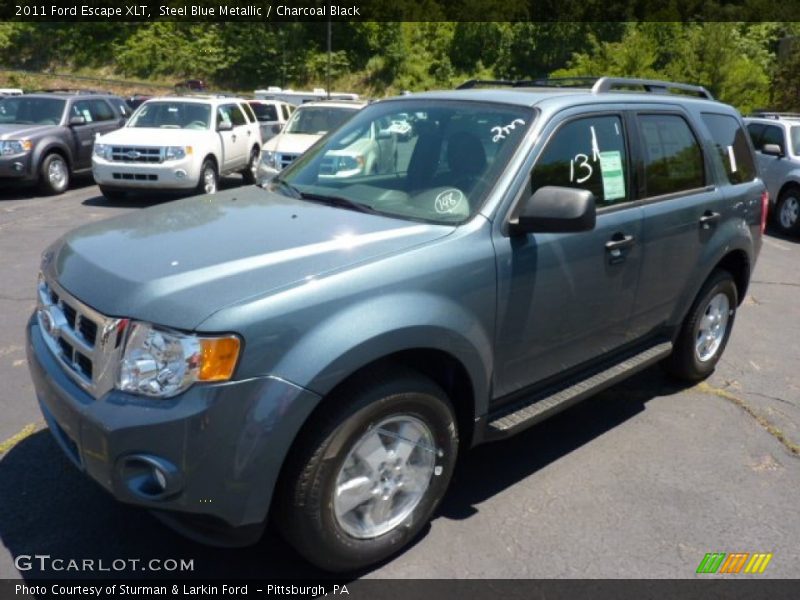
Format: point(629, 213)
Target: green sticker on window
point(613, 177)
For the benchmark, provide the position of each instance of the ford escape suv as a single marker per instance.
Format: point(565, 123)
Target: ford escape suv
point(319, 352)
point(46, 138)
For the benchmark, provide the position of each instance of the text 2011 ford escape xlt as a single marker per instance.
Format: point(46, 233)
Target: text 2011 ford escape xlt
point(318, 353)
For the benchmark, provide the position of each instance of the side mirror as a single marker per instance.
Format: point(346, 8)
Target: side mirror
point(772, 150)
point(224, 126)
point(554, 209)
point(77, 121)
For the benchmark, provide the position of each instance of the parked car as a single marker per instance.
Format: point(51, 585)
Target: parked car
point(307, 125)
point(178, 144)
point(298, 97)
point(136, 101)
point(193, 85)
point(321, 352)
point(47, 138)
point(272, 116)
point(776, 137)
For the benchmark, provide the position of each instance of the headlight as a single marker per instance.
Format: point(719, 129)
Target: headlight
point(176, 152)
point(103, 151)
point(269, 158)
point(162, 363)
point(9, 147)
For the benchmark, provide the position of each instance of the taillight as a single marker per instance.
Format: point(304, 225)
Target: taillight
point(764, 209)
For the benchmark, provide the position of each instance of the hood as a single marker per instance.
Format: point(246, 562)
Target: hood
point(147, 136)
point(12, 131)
point(177, 263)
point(292, 143)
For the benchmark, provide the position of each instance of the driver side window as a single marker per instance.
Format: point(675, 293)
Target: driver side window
point(587, 153)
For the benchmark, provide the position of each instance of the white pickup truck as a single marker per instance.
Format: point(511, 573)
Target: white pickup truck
point(178, 144)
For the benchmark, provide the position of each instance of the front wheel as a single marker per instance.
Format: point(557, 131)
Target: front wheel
point(54, 174)
point(208, 178)
point(705, 330)
point(787, 211)
point(250, 174)
point(367, 473)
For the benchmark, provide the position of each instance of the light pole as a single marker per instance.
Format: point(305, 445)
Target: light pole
point(328, 66)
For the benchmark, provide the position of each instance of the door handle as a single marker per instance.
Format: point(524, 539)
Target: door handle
point(233, 137)
point(620, 241)
point(708, 218)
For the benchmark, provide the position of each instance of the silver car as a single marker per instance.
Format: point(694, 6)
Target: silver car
point(776, 137)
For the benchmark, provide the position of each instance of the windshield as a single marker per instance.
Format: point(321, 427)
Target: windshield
point(31, 111)
point(172, 115)
point(318, 120)
point(434, 161)
point(795, 135)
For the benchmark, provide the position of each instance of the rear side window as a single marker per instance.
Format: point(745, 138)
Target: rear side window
point(730, 140)
point(265, 112)
point(587, 153)
point(673, 159)
point(287, 111)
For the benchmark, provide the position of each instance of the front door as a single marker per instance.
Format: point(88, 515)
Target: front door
point(566, 298)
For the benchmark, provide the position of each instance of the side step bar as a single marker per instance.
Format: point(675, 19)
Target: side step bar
point(510, 419)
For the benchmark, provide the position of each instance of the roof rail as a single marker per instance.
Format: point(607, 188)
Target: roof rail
point(652, 86)
point(473, 83)
point(74, 91)
point(773, 114)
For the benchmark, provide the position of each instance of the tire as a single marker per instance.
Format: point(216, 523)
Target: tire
point(787, 212)
point(112, 194)
point(54, 175)
point(713, 312)
point(334, 532)
point(250, 173)
point(209, 178)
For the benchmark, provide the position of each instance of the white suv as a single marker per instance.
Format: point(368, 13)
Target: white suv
point(178, 143)
point(307, 124)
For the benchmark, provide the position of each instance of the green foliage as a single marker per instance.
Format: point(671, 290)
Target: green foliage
point(737, 61)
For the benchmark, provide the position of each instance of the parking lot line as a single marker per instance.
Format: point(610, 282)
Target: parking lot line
point(15, 439)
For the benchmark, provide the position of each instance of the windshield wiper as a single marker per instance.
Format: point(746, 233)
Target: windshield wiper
point(285, 185)
point(339, 202)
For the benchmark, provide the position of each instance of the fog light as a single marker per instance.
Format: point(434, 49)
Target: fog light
point(150, 477)
point(18, 166)
point(180, 173)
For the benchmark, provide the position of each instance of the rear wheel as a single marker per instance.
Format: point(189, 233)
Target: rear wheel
point(251, 172)
point(706, 330)
point(209, 178)
point(787, 211)
point(366, 474)
point(54, 174)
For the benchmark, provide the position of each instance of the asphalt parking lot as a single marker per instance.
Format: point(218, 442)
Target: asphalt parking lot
point(641, 481)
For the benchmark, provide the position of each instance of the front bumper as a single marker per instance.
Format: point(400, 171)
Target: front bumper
point(180, 174)
point(16, 167)
point(225, 443)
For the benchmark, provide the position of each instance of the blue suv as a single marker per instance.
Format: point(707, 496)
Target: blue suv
point(319, 353)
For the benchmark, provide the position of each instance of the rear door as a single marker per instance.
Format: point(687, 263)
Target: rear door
point(565, 299)
point(684, 208)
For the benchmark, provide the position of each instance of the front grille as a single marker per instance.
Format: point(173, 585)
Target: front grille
point(284, 160)
point(137, 154)
point(86, 342)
